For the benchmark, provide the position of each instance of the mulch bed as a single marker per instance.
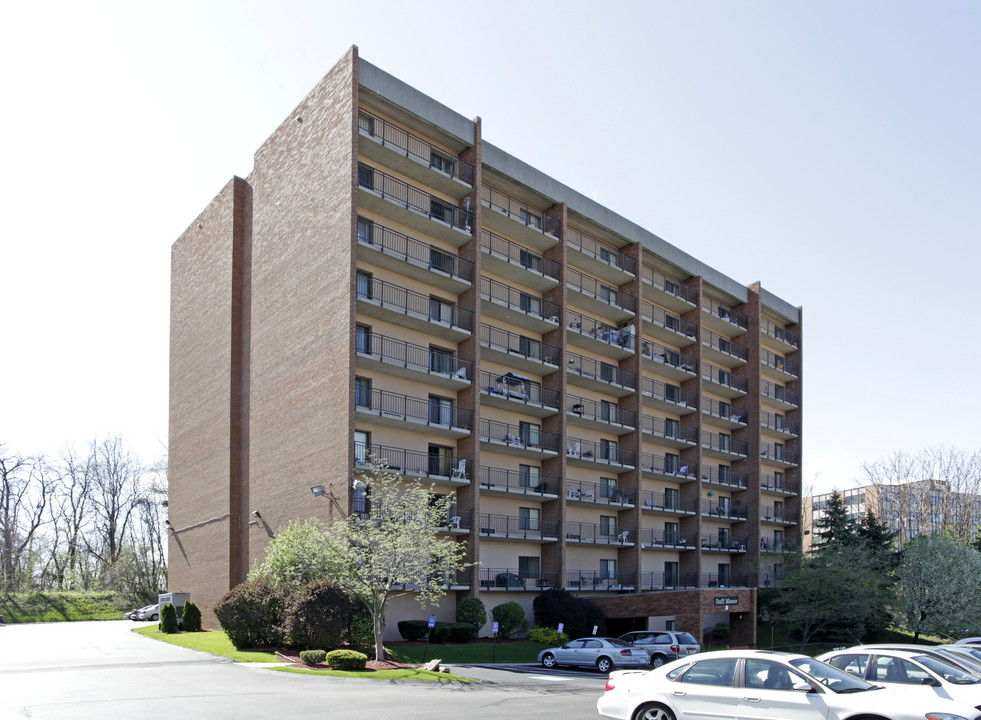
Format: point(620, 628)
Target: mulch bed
point(292, 656)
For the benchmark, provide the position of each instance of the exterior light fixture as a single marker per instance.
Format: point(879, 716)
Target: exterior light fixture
point(255, 514)
point(318, 490)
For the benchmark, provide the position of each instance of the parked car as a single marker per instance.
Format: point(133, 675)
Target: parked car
point(132, 614)
point(969, 641)
point(731, 684)
point(909, 671)
point(150, 612)
point(941, 652)
point(603, 653)
point(663, 645)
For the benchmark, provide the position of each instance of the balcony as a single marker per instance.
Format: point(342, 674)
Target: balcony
point(668, 397)
point(598, 375)
point(599, 258)
point(776, 454)
point(523, 440)
point(579, 492)
point(723, 543)
point(723, 477)
point(723, 350)
point(504, 257)
point(582, 533)
point(666, 291)
point(723, 382)
point(598, 336)
point(511, 305)
point(774, 545)
point(722, 318)
point(413, 206)
point(442, 470)
point(722, 509)
point(514, 580)
point(774, 424)
point(404, 359)
point(596, 580)
point(383, 300)
point(509, 527)
point(511, 217)
point(652, 539)
point(399, 253)
point(778, 396)
point(668, 361)
point(723, 446)
point(667, 327)
point(777, 366)
point(519, 394)
point(668, 467)
point(501, 482)
point(668, 504)
point(776, 515)
point(669, 432)
point(588, 453)
point(435, 416)
point(458, 522)
point(602, 416)
point(779, 336)
point(411, 155)
point(658, 580)
point(518, 351)
point(595, 296)
point(725, 414)
point(724, 580)
point(779, 485)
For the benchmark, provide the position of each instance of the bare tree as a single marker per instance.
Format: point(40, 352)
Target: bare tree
point(70, 511)
point(25, 488)
point(114, 493)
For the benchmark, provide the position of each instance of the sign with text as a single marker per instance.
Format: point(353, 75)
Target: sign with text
point(432, 621)
point(726, 600)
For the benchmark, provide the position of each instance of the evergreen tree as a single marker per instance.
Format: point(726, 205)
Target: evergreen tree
point(835, 527)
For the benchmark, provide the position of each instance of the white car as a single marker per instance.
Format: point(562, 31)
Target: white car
point(762, 685)
point(908, 671)
point(150, 612)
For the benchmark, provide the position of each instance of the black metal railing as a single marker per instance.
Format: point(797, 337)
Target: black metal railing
point(668, 465)
point(672, 287)
point(515, 344)
point(518, 481)
point(409, 302)
point(724, 377)
point(661, 317)
point(724, 344)
point(519, 255)
point(599, 534)
point(724, 443)
point(724, 580)
point(413, 198)
point(428, 410)
point(414, 357)
point(724, 410)
point(654, 500)
point(660, 580)
point(599, 250)
point(594, 288)
point(523, 436)
point(670, 429)
point(411, 462)
point(599, 580)
point(772, 544)
point(779, 362)
point(779, 392)
point(600, 452)
point(598, 370)
point(775, 513)
point(515, 299)
point(723, 508)
point(517, 580)
point(714, 307)
point(523, 391)
point(599, 330)
point(779, 423)
point(396, 244)
point(527, 528)
point(779, 453)
point(722, 541)
point(779, 483)
point(668, 393)
point(651, 537)
point(603, 493)
point(779, 332)
point(603, 412)
point(521, 212)
point(668, 356)
point(726, 477)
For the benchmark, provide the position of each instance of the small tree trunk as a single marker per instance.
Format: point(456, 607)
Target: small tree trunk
point(376, 619)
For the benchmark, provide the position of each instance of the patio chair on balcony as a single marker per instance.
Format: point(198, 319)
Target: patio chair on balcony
point(461, 374)
point(460, 472)
point(454, 522)
point(622, 536)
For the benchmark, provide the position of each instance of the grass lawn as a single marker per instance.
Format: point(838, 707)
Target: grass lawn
point(518, 651)
point(214, 642)
point(390, 674)
point(62, 606)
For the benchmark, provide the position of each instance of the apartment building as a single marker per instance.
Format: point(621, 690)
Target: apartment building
point(609, 414)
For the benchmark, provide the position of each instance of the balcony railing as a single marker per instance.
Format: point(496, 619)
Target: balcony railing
point(517, 580)
point(588, 245)
point(413, 198)
point(779, 423)
point(525, 528)
point(726, 477)
point(519, 255)
point(409, 462)
point(603, 493)
point(651, 537)
point(779, 392)
point(779, 362)
point(601, 452)
point(669, 393)
point(712, 541)
point(668, 285)
point(592, 287)
point(521, 212)
point(415, 147)
point(393, 243)
point(514, 387)
point(659, 316)
point(598, 580)
point(659, 580)
point(780, 333)
point(670, 430)
point(515, 344)
point(724, 443)
point(772, 544)
point(517, 481)
point(779, 483)
point(424, 410)
point(652, 500)
point(590, 368)
point(519, 300)
point(400, 299)
point(724, 344)
point(714, 307)
point(600, 330)
point(668, 356)
point(599, 534)
point(724, 410)
point(723, 580)
point(668, 465)
point(722, 508)
point(779, 453)
point(724, 377)
point(600, 411)
point(414, 357)
point(519, 436)
point(776, 513)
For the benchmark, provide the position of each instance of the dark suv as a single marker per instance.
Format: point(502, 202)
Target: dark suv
point(663, 645)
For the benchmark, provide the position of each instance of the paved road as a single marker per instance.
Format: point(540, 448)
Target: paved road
point(89, 671)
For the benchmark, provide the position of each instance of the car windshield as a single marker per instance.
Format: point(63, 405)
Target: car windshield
point(973, 664)
point(686, 639)
point(947, 671)
point(831, 677)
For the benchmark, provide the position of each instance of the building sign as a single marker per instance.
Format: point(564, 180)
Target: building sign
point(726, 600)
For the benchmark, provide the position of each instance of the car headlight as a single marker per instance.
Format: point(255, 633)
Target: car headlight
point(944, 716)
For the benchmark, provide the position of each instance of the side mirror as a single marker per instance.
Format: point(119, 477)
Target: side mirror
point(802, 686)
point(565, 647)
point(933, 682)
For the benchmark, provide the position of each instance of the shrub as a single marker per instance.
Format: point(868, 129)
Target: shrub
point(168, 618)
point(510, 619)
point(412, 630)
point(577, 615)
point(252, 614)
point(361, 631)
point(548, 636)
point(192, 617)
point(445, 632)
point(471, 610)
point(316, 616)
point(347, 659)
point(312, 657)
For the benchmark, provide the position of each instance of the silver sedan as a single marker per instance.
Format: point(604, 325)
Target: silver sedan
point(603, 653)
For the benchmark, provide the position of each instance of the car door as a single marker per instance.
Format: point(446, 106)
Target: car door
point(705, 691)
point(774, 691)
point(567, 654)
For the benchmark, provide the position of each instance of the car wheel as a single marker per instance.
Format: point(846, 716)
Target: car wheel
point(653, 711)
point(548, 660)
point(657, 661)
point(604, 664)
point(154, 617)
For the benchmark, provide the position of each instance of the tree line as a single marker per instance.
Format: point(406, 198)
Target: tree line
point(91, 519)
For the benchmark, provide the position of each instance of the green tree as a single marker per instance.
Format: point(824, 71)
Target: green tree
point(393, 547)
point(938, 584)
point(879, 544)
point(835, 527)
point(297, 556)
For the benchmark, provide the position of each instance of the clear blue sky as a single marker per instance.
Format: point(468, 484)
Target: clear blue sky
point(829, 150)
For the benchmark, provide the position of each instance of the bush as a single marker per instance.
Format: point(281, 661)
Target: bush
point(458, 632)
point(312, 657)
point(412, 630)
point(316, 616)
point(347, 660)
point(192, 617)
point(361, 631)
point(547, 636)
point(577, 615)
point(471, 610)
point(168, 618)
point(252, 614)
point(510, 619)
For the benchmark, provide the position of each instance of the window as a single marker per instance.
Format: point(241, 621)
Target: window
point(608, 373)
point(364, 284)
point(608, 450)
point(531, 219)
point(778, 392)
point(778, 421)
point(362, 339)
point(441, 310)
point(530, 304)
point(529, 518)
point(725, 345)
point(725, 442)
point(440, 410)
point(529, 476)
point(725, 378)
point(672, 428)
point(769, 675)
point(778, 480)
point(778, 451)
point(608, 569)
point(529, 568)
point(439, 210)
point(670, 574)
point(530, 434)
point(365, 231)
point(362, 446)
point(724, 578)
point(366, 177)
point(530, 348)
point(723, 505)
point(725, 474)
point(672, 498)
point(440, 460)
point(609, 412)
point(608, 294)
point(778, 510)
point(724, 409)
point(439, 260)
point(441, 162)
point(671, 533)
point(723, 537)
point(778, 539)
point(608, 525)
point(672, 463)
point(608, 487)
point(362, 392)
point(530, 260)
point(672, 322)
point(366, 123)
point(441, 360)
point(672, 393)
